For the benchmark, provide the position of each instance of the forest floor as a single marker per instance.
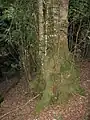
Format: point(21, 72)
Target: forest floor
point(20, 105)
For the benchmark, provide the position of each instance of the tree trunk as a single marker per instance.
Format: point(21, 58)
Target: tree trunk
point(41, 31)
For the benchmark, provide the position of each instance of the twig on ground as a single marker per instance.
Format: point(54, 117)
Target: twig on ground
point(20, 107)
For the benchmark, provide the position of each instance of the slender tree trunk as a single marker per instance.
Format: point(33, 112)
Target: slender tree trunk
point(41, 31)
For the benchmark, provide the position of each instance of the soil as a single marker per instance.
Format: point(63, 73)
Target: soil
point(17, 96)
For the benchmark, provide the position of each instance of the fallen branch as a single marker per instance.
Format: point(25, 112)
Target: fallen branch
point(20, 107)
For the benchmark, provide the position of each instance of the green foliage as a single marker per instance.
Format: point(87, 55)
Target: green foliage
point(27, 30)
point(19, 35)
point(9, 13)
point(79, 9)
point(8, 50)
point(79, 20)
